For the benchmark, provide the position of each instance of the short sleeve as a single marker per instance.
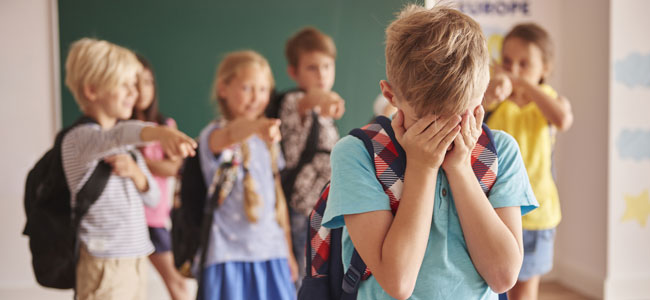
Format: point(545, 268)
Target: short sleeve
point(354, 187)
point(512, 187)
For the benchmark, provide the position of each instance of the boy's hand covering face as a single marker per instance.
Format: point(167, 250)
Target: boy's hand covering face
point(427, 140)
point(464, 142)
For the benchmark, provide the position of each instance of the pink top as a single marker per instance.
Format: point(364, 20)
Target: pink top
point(157, 216)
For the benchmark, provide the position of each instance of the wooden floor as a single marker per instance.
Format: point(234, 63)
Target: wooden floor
point(556, 291)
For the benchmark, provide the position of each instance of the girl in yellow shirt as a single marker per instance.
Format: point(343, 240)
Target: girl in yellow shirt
point(521, 104)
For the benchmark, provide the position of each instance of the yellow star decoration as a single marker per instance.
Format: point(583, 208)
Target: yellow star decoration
point(638, 208)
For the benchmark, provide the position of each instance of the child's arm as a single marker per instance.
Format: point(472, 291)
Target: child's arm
point(174, 143)
point(326, 104)
point(164, 168)
point(493, 236)
point(241, 129)
point(393, 247)
point(124, 166)
point(167, 166)
point(498, 90)
point(93, 143)
point(555, 110)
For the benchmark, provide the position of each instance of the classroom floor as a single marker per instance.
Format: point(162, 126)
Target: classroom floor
point(550, 290)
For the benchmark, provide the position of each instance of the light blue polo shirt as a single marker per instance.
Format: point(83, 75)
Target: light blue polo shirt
point(447, 271)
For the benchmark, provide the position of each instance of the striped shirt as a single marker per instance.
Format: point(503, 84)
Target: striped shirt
point(114, 226)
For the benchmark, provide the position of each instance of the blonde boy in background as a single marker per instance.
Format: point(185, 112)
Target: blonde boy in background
point(114, 241)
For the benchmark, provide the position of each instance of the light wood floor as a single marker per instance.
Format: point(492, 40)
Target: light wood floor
point(556, 291)
point(157, 291)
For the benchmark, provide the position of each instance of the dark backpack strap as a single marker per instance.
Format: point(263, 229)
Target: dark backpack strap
point(289, 176)
point(273, 108)
point(208, 217)
point(353, 277)
point(94, 186)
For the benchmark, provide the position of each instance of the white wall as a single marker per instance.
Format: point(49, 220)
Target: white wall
point(29, 119)
point(581, 152)
point(629, 156)
point(27, 123)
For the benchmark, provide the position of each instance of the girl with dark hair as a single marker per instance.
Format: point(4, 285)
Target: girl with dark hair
point(163, 169)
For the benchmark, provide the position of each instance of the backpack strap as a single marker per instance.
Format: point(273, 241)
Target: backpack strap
point(94, 186)
point(289, 176)
point(484, 160)
point(387, 154)
point(90, 191)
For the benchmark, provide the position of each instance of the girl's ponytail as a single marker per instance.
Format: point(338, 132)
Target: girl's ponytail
point(251, 198)
point(281, 211)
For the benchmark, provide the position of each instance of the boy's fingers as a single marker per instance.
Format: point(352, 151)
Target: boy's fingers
point(398, 124)
point(480, 114)
point(449, 138)
point(423, 124)
point(468, 128)
point(436, 135)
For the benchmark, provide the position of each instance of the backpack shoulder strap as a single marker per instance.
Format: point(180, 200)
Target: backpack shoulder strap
point(390, 162)
point(388, 156)
point(275, 103)
point(484, 160)
point(93, 188)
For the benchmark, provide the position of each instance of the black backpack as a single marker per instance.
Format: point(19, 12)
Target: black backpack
point(289, 175)
point(52, 226)
point(192, 213)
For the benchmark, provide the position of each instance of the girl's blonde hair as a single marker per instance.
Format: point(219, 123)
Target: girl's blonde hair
point(97, 63)
point(228, 69)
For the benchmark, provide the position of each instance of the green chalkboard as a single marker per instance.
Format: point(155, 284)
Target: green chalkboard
point(185, 40)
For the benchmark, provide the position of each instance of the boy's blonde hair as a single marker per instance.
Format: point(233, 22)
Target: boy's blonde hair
point(97, 63)
point(308, 39)
point(228, 69)
point(436, 59)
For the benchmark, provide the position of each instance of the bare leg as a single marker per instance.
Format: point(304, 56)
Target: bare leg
point(525, 290)
point(175, 282)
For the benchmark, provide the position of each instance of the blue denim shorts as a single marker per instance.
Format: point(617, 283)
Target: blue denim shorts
point(538, 253)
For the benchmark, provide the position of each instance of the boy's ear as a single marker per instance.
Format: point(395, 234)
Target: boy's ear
point(387, 91)
point(291, 70)
point(90, 92)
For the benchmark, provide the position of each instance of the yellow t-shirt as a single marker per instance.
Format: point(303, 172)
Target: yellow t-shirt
point(535, 136)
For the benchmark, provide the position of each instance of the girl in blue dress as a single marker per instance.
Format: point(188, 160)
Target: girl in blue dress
point(247, 254)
